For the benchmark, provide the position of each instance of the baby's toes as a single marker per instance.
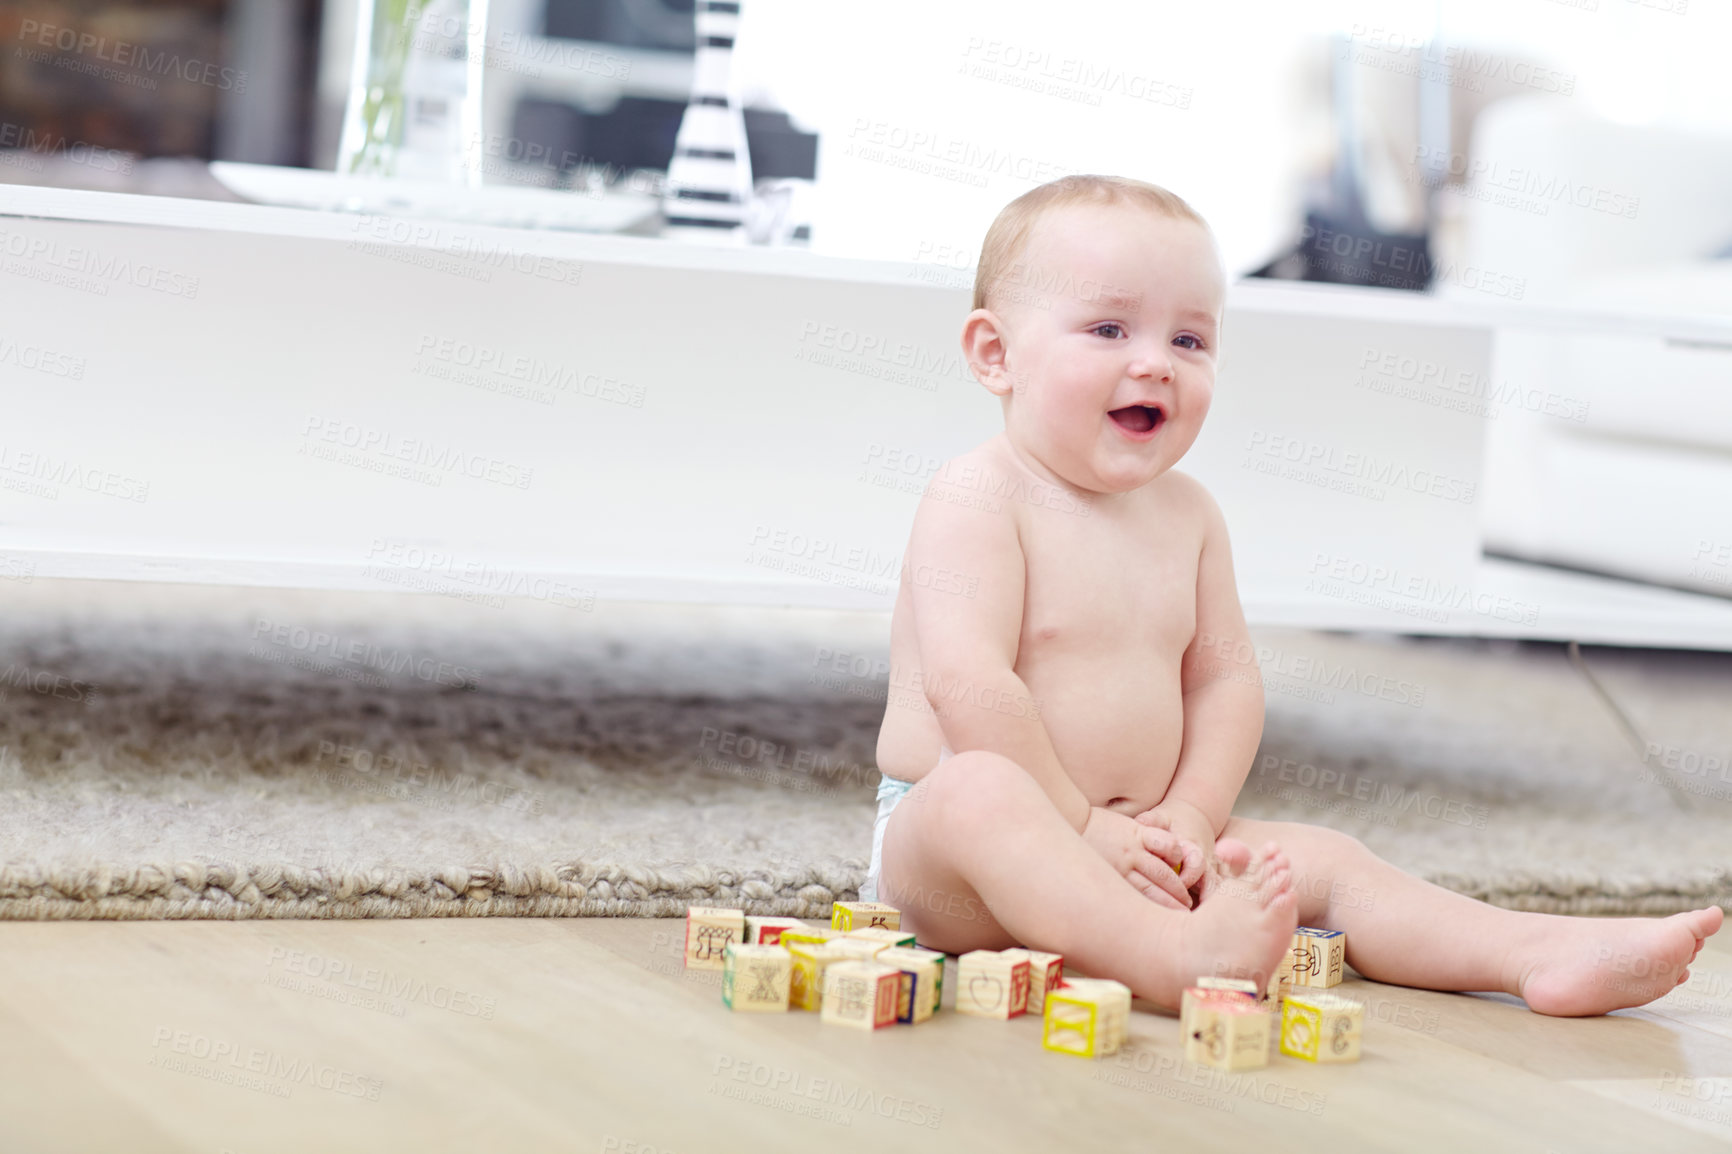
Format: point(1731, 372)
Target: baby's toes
point(1276, 883)
point(1284, 906)
point(1233, 854)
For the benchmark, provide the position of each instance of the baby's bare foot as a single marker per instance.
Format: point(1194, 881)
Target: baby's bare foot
point(1233, 854)
point(1586, 966)
point(1242, 929)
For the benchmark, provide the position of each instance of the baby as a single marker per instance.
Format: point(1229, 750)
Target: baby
point(1063, 775)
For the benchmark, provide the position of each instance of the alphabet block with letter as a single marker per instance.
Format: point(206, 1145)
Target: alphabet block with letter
point(709, 929)
point(1045, 973)
point(1228, 1030)
point(850, 916)
point(922, 986)
point(1316, 958)
point(1208, 989)
point(901, 939)
point(1321, 1027)
point(861, 994)
point(756, 978)
point(1086, 1017)
point(991, 985)
point(769, 931)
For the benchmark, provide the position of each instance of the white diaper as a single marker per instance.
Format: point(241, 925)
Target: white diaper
point(891, 791)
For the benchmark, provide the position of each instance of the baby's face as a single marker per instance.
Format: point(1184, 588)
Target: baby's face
point(1109, 335)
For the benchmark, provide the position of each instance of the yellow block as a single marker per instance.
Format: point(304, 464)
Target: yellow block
point(806, 981)
point(1321, 1027)
point(849, 916)
point(1087, 1018)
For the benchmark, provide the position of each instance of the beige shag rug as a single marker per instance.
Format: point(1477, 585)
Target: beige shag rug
point(199, 752)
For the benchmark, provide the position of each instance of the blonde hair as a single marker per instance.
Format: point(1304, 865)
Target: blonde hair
point(1008, 236)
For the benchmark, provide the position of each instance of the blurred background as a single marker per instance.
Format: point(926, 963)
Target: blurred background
point(1575, 153)
point(1358, 116)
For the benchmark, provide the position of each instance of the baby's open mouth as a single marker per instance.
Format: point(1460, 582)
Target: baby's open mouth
point(1138, 418)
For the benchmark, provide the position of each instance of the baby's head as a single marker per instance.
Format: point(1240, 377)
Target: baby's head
point(1097, 321)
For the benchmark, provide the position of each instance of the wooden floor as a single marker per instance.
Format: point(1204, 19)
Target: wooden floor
point(587, 1035)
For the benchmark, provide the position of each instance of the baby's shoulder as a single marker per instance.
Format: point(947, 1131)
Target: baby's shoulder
point(984, 469)
point(964, 500)
point(1186, 491)
point(1182, 495)
point(991, 455)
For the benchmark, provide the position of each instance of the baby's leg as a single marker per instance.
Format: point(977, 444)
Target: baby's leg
point(1411, 933)
point(976, 857)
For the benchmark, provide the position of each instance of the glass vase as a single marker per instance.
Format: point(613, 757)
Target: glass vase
point(414, 108)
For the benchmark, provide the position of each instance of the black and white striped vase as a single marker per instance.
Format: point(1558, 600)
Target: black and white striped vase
point(709, 184)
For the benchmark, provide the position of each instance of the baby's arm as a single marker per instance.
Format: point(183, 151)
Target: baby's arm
point(970, 642)
point(1223, 699)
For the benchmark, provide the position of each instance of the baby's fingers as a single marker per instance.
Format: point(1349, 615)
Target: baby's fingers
point(1153, 892)
point(1162, 876)
point(1194, 866)
point(1176, 851)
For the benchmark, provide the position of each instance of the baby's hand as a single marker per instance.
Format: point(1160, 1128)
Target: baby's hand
point(1147, 856)
point(1194, 838)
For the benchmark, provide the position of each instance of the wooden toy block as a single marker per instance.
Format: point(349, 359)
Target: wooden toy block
point(1228, 1031)
point(810, 935)
point(991, 985)
point(709, 929)
point(756, 978)
point(922, 988)
point(859, 949)
point(809, 961)
point(898, 938)
point(1316, 958)
point(849, 916)
point(1086, 1017)
point(1045, 972)
point(1321, 1027)
point(861, 994)
point(1198, 993)
point(1243, 985)
point(1271, 999)
point(769, 931)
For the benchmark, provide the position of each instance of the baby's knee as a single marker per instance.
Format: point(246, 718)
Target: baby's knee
point(978, 786)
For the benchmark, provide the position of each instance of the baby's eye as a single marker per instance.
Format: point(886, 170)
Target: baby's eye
point(1109, 325)
point(1196, 341)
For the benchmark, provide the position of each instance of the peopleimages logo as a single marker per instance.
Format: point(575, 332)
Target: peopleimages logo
point(1391, 587)
point(361, 655)
point(1357, 466)
point(16, 136)
point(840, 1096)
point(256, 1060)
point(129, 55)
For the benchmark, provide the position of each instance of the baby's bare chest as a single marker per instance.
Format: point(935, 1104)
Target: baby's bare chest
point(1124, 587)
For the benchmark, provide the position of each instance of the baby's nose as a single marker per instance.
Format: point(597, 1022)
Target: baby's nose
point(1158, 367)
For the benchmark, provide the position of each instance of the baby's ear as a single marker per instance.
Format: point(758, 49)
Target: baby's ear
point(983, 349)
